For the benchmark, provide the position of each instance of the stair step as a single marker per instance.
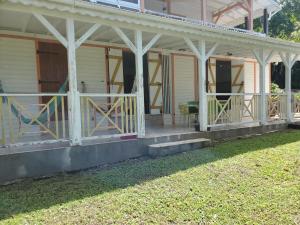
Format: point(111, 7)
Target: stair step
point(170, 148)
point(294, 126)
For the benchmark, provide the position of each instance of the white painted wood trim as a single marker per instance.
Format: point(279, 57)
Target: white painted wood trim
point(140, 83)
point(151, 43)
point(73, 94)
point(124, 37)
point(87, 34)
point(52, 29)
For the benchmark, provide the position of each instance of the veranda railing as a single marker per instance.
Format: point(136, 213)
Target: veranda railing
point(32, 118)
point(230, 108)
point(277, 106)
point(108, 115)
point(296, 105)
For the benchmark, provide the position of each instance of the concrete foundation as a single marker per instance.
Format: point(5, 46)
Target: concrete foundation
point(41, 162)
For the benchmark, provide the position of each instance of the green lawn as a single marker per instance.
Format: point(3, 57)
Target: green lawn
point(249, 181)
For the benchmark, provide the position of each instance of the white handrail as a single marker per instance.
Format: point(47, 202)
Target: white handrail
point(107, 95)
point(32, 95)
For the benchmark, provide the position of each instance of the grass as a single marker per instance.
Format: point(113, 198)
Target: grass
point(249, 181)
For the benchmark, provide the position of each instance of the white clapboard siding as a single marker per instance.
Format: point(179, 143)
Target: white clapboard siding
point(184, 79)
point(188, 8)
point(18, 73)
point(18, 65)
point(250, 76)
point(267, 78)
point(155, 5)
point(91, 69)
point(154, 62)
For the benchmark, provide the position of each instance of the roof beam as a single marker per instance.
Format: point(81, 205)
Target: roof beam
point(217, 15)
point(52, 29)
point(87, 34)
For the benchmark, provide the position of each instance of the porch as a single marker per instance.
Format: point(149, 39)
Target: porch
point(83, 104)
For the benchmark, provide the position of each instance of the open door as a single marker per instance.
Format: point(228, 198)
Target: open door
point(223, 78)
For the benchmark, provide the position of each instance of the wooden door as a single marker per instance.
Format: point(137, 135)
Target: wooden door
point(53, 68)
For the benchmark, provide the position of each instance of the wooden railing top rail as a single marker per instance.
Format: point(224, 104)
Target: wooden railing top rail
point(31, 94)
point(107, 95)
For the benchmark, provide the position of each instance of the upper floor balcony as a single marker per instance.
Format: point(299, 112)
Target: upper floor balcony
point(225, 13)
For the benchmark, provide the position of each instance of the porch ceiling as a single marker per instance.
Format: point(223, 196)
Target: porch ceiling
point(26, 24)
point(236, 16)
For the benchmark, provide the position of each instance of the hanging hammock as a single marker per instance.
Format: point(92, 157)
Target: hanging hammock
point(44, 115)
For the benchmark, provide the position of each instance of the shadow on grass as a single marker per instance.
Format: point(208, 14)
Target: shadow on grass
point(31, 195)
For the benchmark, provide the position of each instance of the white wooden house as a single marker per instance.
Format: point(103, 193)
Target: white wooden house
point(130, 63)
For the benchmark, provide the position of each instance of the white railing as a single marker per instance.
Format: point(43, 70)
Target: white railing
point(32, 118)
point(137, 7)
point(120, 3)
point(296, 105)
point(277, 107)
point(225, 109)
point(108, 115)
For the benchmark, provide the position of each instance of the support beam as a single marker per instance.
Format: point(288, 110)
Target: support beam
point(151, 43)
point(263, 60)
point(202, 56)
point(87, 34)
point(288, 62)
point(124, 37)
point(250, 15)
point(73, 95)
point(52, 29)
point(140, 83)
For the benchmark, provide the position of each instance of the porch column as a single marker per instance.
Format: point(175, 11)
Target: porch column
point(262, 91)
point(140, 83)
point(73, 95)
point(202, 116)
point(250, 15)
point(288, 62)
point(263, 61)
point(139, 51)
point(203, 56)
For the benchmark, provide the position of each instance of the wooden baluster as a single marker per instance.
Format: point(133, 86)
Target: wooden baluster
point(122, 114)
point(2, 125)
point(88, 116)
point(11, 128)
point(126, 114)
point(63, 116)
point(130, 113)
point(56, 118)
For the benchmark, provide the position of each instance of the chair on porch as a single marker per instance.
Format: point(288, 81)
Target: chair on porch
point(189, 111)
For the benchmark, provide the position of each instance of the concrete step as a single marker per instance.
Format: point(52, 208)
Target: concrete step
point(294, 126)
point(170, 148)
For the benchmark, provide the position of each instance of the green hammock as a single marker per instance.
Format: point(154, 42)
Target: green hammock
point(45, 115)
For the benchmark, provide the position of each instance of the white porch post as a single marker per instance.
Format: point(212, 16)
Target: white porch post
point(288, 62)
point(262, 91)
point(73, 95)
point(140, 83)
point(139, 51)
point(200, 52)
point(288, 88)
point(202, 116)
point(263, 61)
